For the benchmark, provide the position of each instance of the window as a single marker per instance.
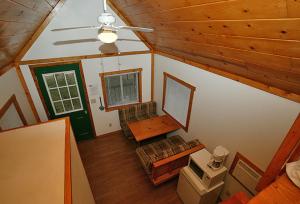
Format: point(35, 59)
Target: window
point(121, 88)
point(177, 99)
point(63, 92)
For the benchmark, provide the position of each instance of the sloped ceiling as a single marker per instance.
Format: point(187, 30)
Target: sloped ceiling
point(76, 13)
point(18, 21)
point(256, 39)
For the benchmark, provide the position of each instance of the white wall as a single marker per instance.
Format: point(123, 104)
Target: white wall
point(34, 93)
point(105, 122)
point(84, 13)
point(92, 68)
point(228, 113)
point(78, 13)
point(11, 119)
point(10, 84)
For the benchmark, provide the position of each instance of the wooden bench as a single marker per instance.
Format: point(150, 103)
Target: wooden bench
point(163, 160)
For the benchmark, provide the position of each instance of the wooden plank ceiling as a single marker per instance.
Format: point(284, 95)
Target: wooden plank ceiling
point(256, 39)
point(18, 21)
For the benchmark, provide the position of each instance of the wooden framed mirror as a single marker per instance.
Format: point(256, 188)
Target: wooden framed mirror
point(177, 99)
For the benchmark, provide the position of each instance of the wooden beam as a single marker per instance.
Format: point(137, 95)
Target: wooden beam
point(77, 58)
point(152, 76)
point(6, 68)
point(13, 101)
point(282, 155)
point(244, 80)
point(40, 29)
point(84, 84)
point(296, 154)
point(128, 22)
point(27, 93)
point(68, 175)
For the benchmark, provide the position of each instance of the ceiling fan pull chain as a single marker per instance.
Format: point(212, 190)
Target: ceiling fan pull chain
point(102, 65)
point(119, 64)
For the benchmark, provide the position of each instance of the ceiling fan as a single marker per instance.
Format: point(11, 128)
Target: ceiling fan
point(107, 31)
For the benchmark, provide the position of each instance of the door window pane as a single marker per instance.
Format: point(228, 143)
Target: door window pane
point(68, 105)
point(71, 78)
point(64, 93)
point(76, 103)
point(65, 98)
point(73, 91)
point(60, 78)
point(50, 81)
point(58, 107)
point(55, 94)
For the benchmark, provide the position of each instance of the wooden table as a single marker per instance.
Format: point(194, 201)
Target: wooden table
point(280, 191)
point(149, 128)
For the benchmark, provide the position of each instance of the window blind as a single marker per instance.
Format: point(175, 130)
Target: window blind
point(122, 89)
point(177, 101)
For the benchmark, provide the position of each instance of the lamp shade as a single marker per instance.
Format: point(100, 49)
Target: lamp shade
point(107, 36)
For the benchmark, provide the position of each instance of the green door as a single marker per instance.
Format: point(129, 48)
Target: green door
point(62, 89)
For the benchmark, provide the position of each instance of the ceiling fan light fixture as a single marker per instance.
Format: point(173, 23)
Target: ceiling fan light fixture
point(108, 36)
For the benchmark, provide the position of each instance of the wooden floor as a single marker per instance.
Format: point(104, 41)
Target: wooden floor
point(116, 175)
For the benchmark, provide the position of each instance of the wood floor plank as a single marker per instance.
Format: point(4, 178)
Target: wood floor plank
point(116, 175)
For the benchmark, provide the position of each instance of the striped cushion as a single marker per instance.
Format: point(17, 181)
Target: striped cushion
point(162, 149)
point(152, 109)
point(142, 111)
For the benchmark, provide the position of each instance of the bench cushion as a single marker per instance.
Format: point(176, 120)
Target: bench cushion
point(135, 112)
point(142, 111)
point(148, 154)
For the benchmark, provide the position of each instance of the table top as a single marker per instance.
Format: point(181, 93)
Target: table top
point(152, 127)
point(33, 164)
point(280, 191)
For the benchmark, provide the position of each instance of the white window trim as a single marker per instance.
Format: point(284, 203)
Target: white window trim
point(138, 71)
point(122, 88)
point(190, 99)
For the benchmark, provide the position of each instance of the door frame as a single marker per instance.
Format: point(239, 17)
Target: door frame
point(38, 66)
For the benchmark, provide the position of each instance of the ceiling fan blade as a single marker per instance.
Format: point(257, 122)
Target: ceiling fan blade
point(67, 42)
point(131, 40)
point(140, 29)
point(73, 28)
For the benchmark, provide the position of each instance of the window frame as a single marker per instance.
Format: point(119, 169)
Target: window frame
point(120, 72)
point(66, 86)
point(189, 86)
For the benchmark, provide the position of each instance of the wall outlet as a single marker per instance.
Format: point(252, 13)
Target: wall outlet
point(109, 125)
